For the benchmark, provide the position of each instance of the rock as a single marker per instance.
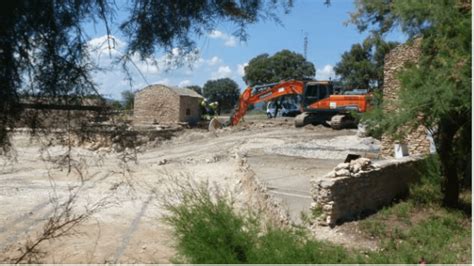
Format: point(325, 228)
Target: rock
point(331, 174)
point(342, 166)
point(327, 183)
point(343, 172)
point(361, 130)
point(355, 168)
point(162, 162)
point(361, 164)
point(328, 220)
point(327, 207)
point(117, 147)
point(104, 149)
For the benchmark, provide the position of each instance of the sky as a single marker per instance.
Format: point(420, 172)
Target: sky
point(222, 55)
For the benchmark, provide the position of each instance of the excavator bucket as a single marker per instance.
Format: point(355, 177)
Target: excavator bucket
point(214, 124)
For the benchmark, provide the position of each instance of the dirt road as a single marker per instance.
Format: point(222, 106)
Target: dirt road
point(129, 228)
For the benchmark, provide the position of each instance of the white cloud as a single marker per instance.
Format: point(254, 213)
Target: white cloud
point(214, 61)
point(148, 66)
point(107, 44)
point(112, 80)
point(229, 40)
point(184, 83)
point(241, 69)
point(325, 73)
point(215, 34)
point(222, 72)
point(164, 81)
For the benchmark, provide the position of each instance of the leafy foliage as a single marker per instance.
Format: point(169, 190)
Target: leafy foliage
point(283, 65)
point(362, 66)
point(209, 230)
point(436, 92)
point(225, 91)
point(428, 190)
point(128, 99)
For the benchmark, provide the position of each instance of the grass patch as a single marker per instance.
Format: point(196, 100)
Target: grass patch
point(420, 227)
point(444, 237)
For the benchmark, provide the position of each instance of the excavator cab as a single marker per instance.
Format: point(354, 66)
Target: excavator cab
point(315, 91)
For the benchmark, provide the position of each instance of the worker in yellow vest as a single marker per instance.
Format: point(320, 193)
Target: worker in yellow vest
point(209, 110)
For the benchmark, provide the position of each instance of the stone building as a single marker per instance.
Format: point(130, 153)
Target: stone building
point(162, 104)
point(417, 140)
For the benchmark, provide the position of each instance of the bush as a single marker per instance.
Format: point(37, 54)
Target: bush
point(428, 190)
point(209, 230)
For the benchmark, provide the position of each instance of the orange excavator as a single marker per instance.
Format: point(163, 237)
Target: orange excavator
point(319, 103)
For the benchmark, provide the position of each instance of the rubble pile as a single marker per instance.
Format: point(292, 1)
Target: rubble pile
point(354, 168)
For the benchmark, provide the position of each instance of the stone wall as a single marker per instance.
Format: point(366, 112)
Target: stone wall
point(156, 104)
point(190, 109)
point(343, 194)
point(395, 61)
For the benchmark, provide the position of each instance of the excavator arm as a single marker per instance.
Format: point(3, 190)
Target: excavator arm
point(253, 95)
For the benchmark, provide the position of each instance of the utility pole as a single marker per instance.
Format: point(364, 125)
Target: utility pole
point(305, 45)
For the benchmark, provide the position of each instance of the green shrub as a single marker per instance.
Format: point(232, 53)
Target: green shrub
point(428, 190)
point(209, 230)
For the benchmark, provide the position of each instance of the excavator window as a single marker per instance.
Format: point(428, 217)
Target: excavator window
point(316, 92)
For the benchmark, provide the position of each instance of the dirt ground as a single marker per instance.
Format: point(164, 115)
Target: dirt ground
point(128, 228)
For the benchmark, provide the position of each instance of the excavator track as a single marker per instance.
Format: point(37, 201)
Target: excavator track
point(342, 121)
point(300, 120)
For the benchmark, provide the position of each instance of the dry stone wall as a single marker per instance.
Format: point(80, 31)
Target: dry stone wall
point(156, 104)
point(417, 140)
point(190, 109)
point(351, 190)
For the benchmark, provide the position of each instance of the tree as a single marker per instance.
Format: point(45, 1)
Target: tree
point(283, 65)
point(362, 66)
point(195, 88)
point(115, 105)
point(436, 92)
point(128, 99)
point(44, 48)
point(225, 91)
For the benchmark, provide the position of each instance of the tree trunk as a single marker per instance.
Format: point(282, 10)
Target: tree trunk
point(447, 130)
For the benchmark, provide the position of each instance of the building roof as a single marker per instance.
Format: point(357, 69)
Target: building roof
point(178, 91)
point(187, 92)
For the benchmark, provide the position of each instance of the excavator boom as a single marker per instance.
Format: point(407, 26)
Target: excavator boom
point(253, 95)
